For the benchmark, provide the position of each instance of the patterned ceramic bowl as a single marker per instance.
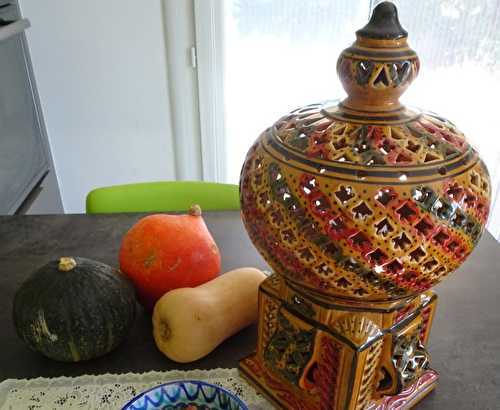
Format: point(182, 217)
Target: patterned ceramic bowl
point(186, 394)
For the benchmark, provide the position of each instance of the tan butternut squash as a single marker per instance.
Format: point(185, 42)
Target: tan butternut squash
point(189, 323)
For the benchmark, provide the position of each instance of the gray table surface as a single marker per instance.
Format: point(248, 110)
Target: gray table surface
point(464, 344)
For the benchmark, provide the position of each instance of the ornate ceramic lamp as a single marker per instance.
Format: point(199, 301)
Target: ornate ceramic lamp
point(360, 207)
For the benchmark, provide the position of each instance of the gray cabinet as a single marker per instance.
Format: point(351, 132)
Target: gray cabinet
point(24, 155)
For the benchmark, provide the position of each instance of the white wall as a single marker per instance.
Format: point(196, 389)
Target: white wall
point(101, 72)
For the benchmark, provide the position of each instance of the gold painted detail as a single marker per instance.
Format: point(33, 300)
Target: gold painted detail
point(368, 379)
point(357, 239)
point(270, 319)
point(424, 141)
point(356, 328)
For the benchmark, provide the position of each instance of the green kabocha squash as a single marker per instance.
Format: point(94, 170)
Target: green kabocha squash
point(74, 309)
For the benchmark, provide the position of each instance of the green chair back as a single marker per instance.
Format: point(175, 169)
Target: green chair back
point(163, 197)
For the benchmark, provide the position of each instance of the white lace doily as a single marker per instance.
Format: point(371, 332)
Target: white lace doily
point(112, 391)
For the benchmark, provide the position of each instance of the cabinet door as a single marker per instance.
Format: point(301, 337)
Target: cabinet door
point(23, 159)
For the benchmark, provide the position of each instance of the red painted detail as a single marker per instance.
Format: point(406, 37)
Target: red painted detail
point(454, 191)
point(374, 133)
point(385, 145)
point(465, 198)
point(385, 197)
point(408, 212)
point(482, 210)
point(337, 228)
point(409, 279)
point(320, 204)
point(442, 237)
point(403, 156)
point(450, 138)
point(425, 227)
point(422, 285)
point(426, 314)
point(308, 181)
point(318, 145)
point(405, 279)
point(394, 267)
point(408, 395)
point(461, 253)
point(420, 223)
point(394, 154)
point(443, 134)
point(360, 242)
point(448, 241)
point(469, 199)
point(377, 257)
point(328, 373)
point(403, 313)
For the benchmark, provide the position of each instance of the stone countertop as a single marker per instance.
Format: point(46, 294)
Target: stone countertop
point(464, 343)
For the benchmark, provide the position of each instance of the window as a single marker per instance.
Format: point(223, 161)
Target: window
point(281, 54)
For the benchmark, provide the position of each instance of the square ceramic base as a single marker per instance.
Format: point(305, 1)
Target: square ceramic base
point(285, 398)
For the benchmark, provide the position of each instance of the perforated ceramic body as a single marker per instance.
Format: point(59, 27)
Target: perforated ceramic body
point(365, 198)
point(361, 210)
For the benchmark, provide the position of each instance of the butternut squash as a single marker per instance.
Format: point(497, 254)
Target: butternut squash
point(189, 323)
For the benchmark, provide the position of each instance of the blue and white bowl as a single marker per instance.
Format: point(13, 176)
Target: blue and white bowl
point(179, 394)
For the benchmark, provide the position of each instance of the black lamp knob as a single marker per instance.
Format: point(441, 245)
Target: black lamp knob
point(384, 23)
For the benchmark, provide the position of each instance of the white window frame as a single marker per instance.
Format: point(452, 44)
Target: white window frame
point(180, 42)
point(209, 26)
point(194, 42)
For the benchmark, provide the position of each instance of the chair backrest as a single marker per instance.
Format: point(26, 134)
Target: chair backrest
point(169, 196)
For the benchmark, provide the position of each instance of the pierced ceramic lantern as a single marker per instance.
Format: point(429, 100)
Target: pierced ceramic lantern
point(359, 207)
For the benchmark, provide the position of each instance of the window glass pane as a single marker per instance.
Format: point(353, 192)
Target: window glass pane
point(458, 43)
point(281, 54)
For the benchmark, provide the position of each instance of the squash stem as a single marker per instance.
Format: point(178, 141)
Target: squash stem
point(195, 210)
point(66, 264)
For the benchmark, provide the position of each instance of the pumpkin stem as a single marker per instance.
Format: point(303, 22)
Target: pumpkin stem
point(195, 210)
point(66, 264)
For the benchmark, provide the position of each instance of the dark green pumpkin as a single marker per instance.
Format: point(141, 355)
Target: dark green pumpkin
point(74, 309)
